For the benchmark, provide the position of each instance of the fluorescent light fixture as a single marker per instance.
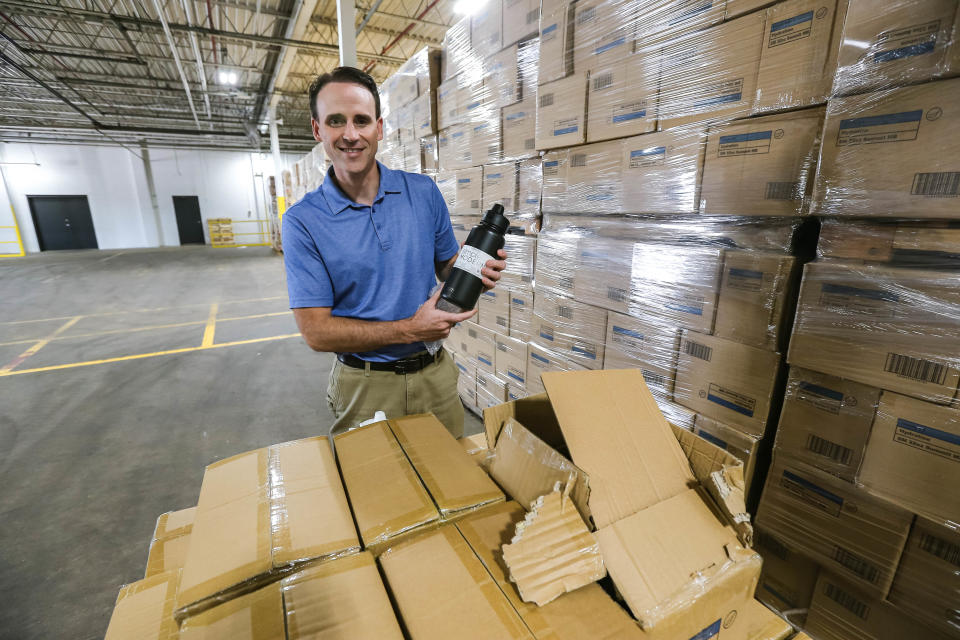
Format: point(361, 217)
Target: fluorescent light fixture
point(468, 7)
point(227, 77)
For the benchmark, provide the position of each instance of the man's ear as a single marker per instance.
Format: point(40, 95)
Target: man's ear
point(380, 128)
point(315, 127)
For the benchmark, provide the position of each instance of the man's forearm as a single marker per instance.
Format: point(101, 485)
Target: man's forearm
point(350, 335)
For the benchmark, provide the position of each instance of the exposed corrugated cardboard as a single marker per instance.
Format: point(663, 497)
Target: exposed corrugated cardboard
point(727, 381)
point(387, 496)
point(913, 456)
point(443, 591)
point(652, 554)
point(840, 526)
point(613, 428)
point(761, 166)
point(175, 523)
point(644, 345)
point(826, 421)
point(787, 578)
point(552, 551)
point(561, 111)
point(742, 446)
point(144, 609)
point(475, 446)
point(339, 600)
point(167, 554)
point(455, 483)
point(254, 616)
point(753, 306)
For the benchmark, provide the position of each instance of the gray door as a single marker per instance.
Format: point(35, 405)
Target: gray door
point(62, 222)
point(189, 222)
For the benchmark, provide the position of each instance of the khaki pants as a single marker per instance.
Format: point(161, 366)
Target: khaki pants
point(354, 395)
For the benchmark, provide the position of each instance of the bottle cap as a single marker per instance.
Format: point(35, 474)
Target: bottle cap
point(495, 218)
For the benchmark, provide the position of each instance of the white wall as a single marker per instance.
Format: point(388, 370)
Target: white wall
point(114, 181)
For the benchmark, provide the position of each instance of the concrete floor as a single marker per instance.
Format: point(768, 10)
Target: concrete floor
point(92, 453)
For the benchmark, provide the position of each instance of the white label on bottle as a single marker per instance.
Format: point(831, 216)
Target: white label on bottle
point(472, 260)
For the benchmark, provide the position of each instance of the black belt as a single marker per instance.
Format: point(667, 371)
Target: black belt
point(400, 367)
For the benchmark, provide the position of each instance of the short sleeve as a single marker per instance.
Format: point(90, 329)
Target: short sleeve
point(308, 282)
point(445, 243)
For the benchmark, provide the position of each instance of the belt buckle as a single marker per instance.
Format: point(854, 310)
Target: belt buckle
point(403, 367)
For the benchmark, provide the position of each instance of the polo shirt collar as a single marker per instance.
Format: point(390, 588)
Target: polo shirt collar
point(390, 182)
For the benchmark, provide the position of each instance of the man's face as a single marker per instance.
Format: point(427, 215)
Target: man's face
point(348, 126)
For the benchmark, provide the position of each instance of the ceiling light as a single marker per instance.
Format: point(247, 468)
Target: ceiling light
point(227, 77)
point(468, 7)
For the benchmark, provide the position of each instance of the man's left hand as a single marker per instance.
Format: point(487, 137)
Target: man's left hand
point(491, 271)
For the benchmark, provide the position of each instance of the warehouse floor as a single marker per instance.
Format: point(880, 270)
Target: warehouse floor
point(124, 373)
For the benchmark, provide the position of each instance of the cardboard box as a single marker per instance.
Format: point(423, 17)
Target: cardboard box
point(554, 171)
point(469, 191)
point(913, 456)
point(461, 342)
point(144, 609)
point(485, 346)
point(389, 501)
point(826, 420)
point(531, 184)
point(521, 18)
point(840, 610)
point(799, 55)
point(736, 8)
point(485, 137)
point(662, 171)
point(449, 109)
point(561, 112)
point(501, 77)
point(742, 446)
point(486, 399)
point(259, 513)
point(457, 54)
point(575, 330)
point(520, 129)
point(892, 153)
point(676, 414)
point(453, 148)
point(467, 389)
point(622, 98)
point(423, 112)
point(641, 516)
point(493, 385)
point(521, 313)
point(644, 345)
point(541, 360)
point(762, 166)
point(603, 32)
point(500, 186)
point(447, 184)
point(556, 43)
point(843, 528)
point(859, 241)
point(883, 326)
point(754, 305)
point(167, 554)
point(594, 180)
point(486, 33)
point(886, 46)
point(495, 309)
point(661, 22)
point(511, 360)
point(175, 523)
point(429, 161)
point(926, 583)
point(711, 74)
point(763, 624)
point(787, 578)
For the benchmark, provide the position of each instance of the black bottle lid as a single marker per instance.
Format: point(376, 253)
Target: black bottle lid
point(495, 218)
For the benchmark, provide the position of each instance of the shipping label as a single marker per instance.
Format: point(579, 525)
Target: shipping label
point(585, 349)
point(516, 374)
point(515, 119)
point(744, 279)
point(890, 127)
point(724, 92)
point(820, 397)
point(745, 144)
point(539, 359)
point(791, 29)
point(627, 112)
point(936, 441)
point(733, 400)
point(692, 305)
point(472, 260)
point(651, 156)
point(566, 126)
point(687, 9)
point(812, 494)
point(907, 42)
point(551, 168)
point(873, 302)
point(628, 338)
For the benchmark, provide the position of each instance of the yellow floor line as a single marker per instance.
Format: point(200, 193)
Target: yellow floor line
point(154, 327)
point(140, 356)
point(40, 344)
point(211, 328)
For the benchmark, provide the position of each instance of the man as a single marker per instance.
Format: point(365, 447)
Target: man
point(362, 255)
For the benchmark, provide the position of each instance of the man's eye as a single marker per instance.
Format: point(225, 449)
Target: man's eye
point(335, 121)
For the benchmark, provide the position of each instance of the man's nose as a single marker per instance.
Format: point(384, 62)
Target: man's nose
point(350, 132)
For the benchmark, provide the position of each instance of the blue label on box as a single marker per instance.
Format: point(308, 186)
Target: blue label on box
point(813, 494)
point(609, 45)
point(623, 331)
point(518, 114)
point(905, 52)
point(584, 352)
point(730, 97)
point(540, 358)
point(822, 391)
point(484, 361)
point(511, 374)
point(550, 29)
point(518, 301)
point(792, 22)
point(709, 437)
point(938, 434)
point(463, 181)
point(551, 163)
point(872, 294)
point(889, 127)
point(710, 633)
point(494, 176)
point(746, 137)
point(653, 151)
point(565, 130)
point(686, 15)
point(626, 117)
point(685, 308)
point(746, 273)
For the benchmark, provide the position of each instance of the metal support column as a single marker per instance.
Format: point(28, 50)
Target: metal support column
point(148, 170)
point(346, 32)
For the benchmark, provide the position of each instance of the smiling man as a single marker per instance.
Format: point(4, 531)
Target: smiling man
point(362, 254)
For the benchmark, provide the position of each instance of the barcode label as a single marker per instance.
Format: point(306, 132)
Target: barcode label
point(847, 601)
point(530, 143)
point(940, 185)
point(655, 379)
point(474, 204)
point(915, 368)
point(857, 565)
point(546, 100)
point(616, 294)
point(771, 544)
point(501, 321)
point(940, 548)
point(565, 312)
point(697, 350)
point(502, 346)
point(782, 191)
point(578, 160)
point(533, 17)
point(586, 16)
point(493, 150)
point(601, 82)
point(831, 450)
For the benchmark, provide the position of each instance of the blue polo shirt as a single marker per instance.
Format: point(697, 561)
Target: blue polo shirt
point(368, 262)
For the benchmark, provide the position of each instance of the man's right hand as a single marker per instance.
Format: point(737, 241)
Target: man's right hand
point(429, 323)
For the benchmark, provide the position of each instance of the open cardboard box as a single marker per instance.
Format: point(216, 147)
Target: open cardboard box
point(666, 505)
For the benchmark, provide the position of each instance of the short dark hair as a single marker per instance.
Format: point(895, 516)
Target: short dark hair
point(343, 74)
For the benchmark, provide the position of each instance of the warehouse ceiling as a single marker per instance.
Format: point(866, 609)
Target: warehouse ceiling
point(188, 73)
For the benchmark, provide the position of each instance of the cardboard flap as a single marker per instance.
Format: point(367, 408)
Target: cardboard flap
point(454, 481)
point(617, 435)
point(255, 616)
point(144, 609)
point(167, 554)
point(527, 468)
point(174, 523)
point(654, 555)
point(535, 412)
point(339, 600)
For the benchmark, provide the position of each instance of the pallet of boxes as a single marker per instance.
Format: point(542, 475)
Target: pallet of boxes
point(859, 522)
point(589, 517)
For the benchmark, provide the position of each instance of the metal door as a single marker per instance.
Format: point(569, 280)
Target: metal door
point(62, 222)
point(189, 221)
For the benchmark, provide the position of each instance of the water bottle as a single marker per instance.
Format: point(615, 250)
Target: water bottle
point(464, 285)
